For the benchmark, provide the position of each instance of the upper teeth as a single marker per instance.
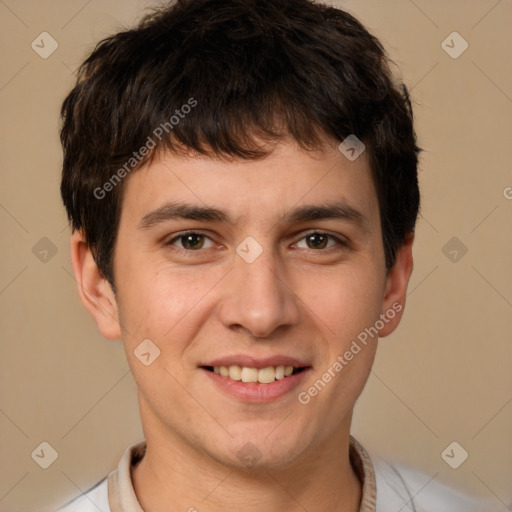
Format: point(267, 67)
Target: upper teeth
point(262, 375)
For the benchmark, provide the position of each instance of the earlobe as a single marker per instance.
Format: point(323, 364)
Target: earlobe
point(396, 287)
point(94, 290)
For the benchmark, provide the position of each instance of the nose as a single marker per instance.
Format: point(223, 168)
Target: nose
point(258, 297)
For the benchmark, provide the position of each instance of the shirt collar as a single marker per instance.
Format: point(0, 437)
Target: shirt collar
point(122, 497)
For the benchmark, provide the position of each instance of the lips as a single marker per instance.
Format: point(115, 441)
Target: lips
point(257, 392)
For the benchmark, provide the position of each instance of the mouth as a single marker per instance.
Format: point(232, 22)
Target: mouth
point(247, 374)
point(254, 379)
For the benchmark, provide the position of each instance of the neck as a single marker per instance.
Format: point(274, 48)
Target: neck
point(175, 475)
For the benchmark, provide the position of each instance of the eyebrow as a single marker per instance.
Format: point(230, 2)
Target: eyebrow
point(178, 210)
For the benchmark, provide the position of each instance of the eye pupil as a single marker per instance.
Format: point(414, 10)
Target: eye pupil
point(312, 237)
point(194, 243)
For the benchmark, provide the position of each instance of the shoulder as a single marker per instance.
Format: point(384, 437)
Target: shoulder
point(93, 500)
point(400, 487)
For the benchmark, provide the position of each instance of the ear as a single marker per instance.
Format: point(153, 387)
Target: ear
point(396, 288)
point(94, 290)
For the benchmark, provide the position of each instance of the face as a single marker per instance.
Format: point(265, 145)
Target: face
point(245, 268)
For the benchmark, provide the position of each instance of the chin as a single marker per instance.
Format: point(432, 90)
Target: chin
point(257, 451)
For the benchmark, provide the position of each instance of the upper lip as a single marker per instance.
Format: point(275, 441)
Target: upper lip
point(257, 362)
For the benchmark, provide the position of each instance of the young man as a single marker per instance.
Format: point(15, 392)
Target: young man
point(241, 180)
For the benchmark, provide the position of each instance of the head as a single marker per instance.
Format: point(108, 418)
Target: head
point(238, 107)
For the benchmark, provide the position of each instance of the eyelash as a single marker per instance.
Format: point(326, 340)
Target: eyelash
point(313, 232)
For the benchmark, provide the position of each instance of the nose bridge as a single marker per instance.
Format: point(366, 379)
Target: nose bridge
point(259, 299)
point(259, 270)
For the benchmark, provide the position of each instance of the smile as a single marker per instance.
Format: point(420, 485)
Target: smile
point(246, 374)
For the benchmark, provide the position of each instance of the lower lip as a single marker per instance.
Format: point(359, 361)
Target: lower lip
point(255, 392)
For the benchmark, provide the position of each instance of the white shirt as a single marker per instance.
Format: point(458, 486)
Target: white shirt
point(386, 487)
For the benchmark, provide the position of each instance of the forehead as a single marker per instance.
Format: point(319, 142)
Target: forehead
point(241, 191)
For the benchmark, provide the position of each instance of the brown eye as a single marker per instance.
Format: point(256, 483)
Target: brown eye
point(318, 240)
point(191, 241)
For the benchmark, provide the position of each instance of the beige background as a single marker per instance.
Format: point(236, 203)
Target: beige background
point(443, 376)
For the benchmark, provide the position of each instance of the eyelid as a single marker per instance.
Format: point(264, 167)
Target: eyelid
point(338, 238)
point(183, 234)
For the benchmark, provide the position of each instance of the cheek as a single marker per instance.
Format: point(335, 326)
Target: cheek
point(344, 302)
point(158, 302)
point(344, 308)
